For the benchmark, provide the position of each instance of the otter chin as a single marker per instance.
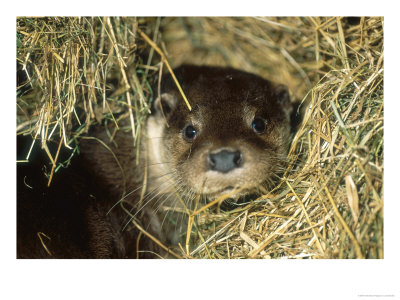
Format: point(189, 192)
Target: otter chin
point(235, 137)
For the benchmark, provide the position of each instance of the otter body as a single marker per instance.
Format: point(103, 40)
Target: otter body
point(234, 140)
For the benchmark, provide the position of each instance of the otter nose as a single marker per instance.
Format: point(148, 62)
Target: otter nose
point(224, 161)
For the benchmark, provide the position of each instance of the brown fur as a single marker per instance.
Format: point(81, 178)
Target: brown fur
point(73, 212)
point(225, 102)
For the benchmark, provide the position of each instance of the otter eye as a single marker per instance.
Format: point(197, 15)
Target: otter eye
point(189, 132)
point(259, 125)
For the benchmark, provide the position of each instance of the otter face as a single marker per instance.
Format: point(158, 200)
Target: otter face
point(235, 138)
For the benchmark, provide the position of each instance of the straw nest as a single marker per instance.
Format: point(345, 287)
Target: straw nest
point(74, 72)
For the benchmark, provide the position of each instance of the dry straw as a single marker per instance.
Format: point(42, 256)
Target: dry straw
point(329, 201)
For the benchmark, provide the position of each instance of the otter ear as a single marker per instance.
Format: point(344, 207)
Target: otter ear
point(283, 98)
point(165, 104)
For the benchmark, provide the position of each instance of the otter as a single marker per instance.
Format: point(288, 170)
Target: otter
point(234, 140)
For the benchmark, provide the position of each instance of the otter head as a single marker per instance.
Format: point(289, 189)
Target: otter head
point(235, 137)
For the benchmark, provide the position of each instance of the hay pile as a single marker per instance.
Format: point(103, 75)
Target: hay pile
point(74, 72)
